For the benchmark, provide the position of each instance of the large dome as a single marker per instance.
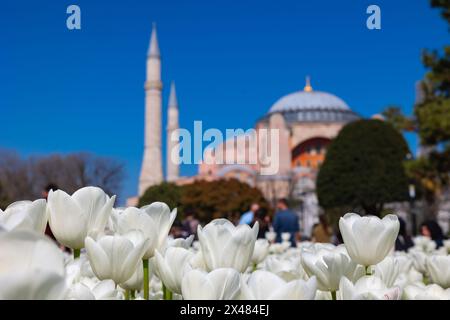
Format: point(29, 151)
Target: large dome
point(303, 100)
point(313, 106)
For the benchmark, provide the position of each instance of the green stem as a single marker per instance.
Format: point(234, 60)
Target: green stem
point(255, 266)
point(132, 294)
point(146, 280)
point(167, 293)
point(333, 295)
point(368, 273)
point(127, 294)
point(76, 253)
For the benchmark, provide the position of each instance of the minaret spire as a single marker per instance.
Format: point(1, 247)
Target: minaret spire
point(153, 49)
point(173, 152)
point(173, 103)
point(151, 171)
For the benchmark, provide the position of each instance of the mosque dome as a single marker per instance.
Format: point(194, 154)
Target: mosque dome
point(313, 106)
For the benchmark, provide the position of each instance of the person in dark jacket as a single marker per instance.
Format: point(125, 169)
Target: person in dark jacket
point(286, 221)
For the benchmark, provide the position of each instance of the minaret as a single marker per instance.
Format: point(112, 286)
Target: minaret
point(173, 154)
point(151, 172)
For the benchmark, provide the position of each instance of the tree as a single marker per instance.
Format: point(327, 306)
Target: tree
point(166, 192)
point(220, 198)
point(363, 168)
point(431, 121)
point(26, 178)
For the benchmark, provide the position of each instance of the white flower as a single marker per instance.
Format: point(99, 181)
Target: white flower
point(419, 259)
point(271, 236)
point(116, 257)
point(422, 292)
point(73, 218)
point(153, 220)
point(388, 271)
point(368, 239)
point(439, 269)
point(424, 244)
point(264, 285)
point(180, 242)
point(136, 281)
point(289, 268)
point(329, 265)
point(367, 288)
point(163, 217)
point(25, 215)
point(90, 290)
point(31, 267)
point(171, 267)
point(261, 251)
point(226, 246)
point(220, 284)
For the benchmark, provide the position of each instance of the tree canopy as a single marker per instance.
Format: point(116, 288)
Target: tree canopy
point(207, 199)
point(363, 168)
point(431, 121)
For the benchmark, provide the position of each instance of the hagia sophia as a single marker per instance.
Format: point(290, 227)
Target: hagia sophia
point(307, 120)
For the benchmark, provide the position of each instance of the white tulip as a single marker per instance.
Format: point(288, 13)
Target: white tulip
point(409, 278)
point(116, 257)
point(329, 265)
point(163, 217)
point(419, 259)
point(227, 246)
point(271, 236)
point(31, 267)
point(180, 242)
point(197, 261)
point(153, 220)
point(367, 288)
point(424, 244)
point(285, 236)
point(368, 239)
point(264, 285)
point(261, 251)
point(289, 268)
point(447, 245)
point(387, 270)
point(171, 267)
point(25, 215)
point(439, 269)
point(132, 218)
point(220, 284)
point(73, 218)
point(88, 290)
point(422, 292)
point(136, 281)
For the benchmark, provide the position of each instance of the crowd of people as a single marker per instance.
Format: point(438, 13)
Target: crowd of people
point(285, 221)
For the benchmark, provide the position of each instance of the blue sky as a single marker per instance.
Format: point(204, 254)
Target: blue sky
point(68, 91)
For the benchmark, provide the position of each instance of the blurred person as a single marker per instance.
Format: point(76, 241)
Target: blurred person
point(177, 230)
point(403, 241)
point(432, 230)
point(263, 220)
point(322, 232)
point(286, 221)
point(248, 217)
point(190, 223)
